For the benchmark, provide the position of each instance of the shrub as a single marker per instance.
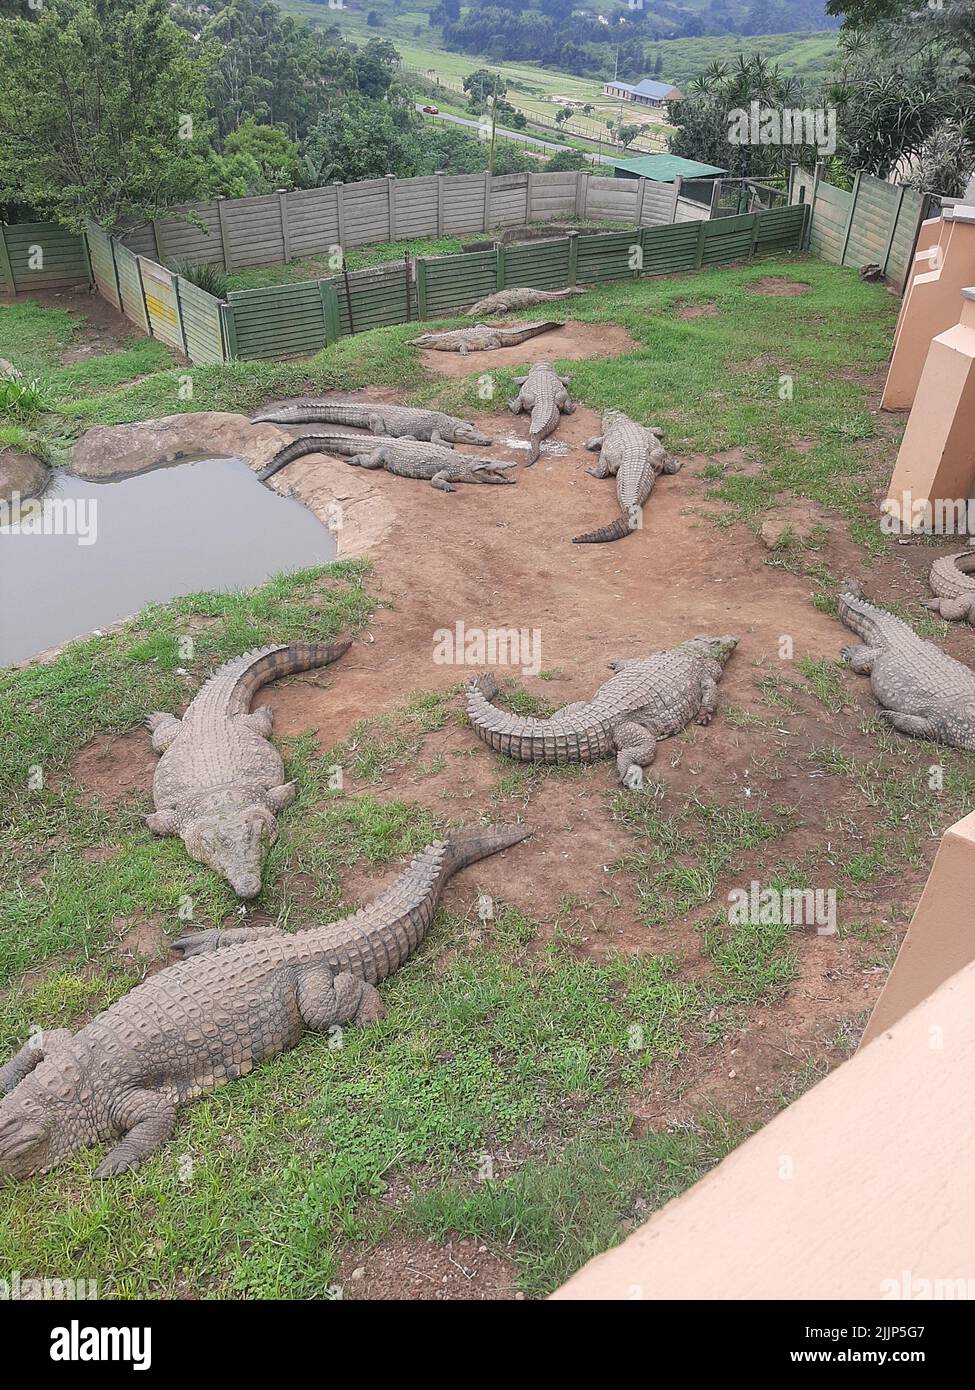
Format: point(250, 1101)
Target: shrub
point(206, 277)
point(22, 399)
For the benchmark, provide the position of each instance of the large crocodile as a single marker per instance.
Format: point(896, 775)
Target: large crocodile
point(648, 699)
point(219, 784)
point(634, 455)
point(919, 689)
point(482, 337)
point(543, 393)
point(237, 998)
point(520, 298)
point(408, 458)
point(390, 420)
point(951, 580)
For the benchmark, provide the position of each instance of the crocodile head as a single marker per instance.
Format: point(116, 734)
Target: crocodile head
point(718, 648)
point(28, 1135)
point(232, 837)
point(465, 433)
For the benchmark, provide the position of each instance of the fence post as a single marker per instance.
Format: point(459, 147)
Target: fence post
point(118, 282)
point(755, 229)
point(391, 204)
point(715, 197)
point(340, 214)
point(224, 233)
point(699, 253)
point(529, 199)
point(330, 311)
point(229, 329)
point(582, 193)
point(142, 291)
point(573, 257)
point(640, 199)
point(487, 200)
point(179, 315)
point(421, 288)
point(893, 229)
point(849, 220)
point(91, 274)
point(812, 207)
point(157, 238)
point(502, 268)
point(283, 214)
point(793, 169)
point(5, 269)
point(440, 209)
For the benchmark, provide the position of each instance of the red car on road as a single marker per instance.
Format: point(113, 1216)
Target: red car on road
point(431, 110)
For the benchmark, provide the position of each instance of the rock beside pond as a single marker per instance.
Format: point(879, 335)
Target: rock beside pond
point(113, 451)
point(22, 473)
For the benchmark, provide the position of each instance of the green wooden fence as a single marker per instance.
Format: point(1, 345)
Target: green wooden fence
point(41, 256)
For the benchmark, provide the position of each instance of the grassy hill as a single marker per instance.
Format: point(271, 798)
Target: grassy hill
point(806, 55)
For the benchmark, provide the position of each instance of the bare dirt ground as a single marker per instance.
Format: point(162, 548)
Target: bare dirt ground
point(571, 340)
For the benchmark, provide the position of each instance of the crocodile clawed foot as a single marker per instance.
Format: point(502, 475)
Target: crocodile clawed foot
point(704, 717)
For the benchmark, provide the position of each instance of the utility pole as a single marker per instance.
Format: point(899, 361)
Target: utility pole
point(494, 124)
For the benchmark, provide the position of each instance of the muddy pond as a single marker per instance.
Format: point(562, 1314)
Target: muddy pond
point(93, 552)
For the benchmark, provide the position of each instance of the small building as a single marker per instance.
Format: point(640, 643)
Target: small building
point(664, 168)
point(646, 93)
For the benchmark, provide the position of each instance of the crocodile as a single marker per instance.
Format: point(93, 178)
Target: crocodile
point(522, 298)
point(635, 456)
point(219, 784)
point(950, 580)
point(920, 690)
point(648, 699)
point(409, 458)
point(237, 997)
point(391, 420)
point(543, 393)
point(482, 337)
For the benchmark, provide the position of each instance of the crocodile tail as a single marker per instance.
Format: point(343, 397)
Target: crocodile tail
point(861, 616)
point(533, 740)
point(249, 672)
point(475, 842)
point(615, 531)
point(310, 444)
point(541, 430)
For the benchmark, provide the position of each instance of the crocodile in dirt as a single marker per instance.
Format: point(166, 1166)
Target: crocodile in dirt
point(219, 784)
point(390, 420)
point(482, 337)
point(951, 580)
point(521, 298)
point(237, 998)
point(542, 393)
point(634, 455)
point(920, 690)
point(408, 458)
point(648, 699)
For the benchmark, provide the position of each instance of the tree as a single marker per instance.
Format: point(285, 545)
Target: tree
point(102, 112)
point(256, 159)
point(480, 85)
point(626, 134)
point(567, 161)
point(373, 20)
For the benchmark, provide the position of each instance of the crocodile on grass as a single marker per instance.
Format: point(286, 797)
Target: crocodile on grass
point(237, 998)
point(951, 580)
point(219, 784)
point(482, 337)
point(634, 455)
point(408, 458)
point(543, 393)
point(391, 420)
point(648, 699)
point(521, 298)
point(920, 690)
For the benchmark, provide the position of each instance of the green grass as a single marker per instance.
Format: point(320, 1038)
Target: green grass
point(318, 267)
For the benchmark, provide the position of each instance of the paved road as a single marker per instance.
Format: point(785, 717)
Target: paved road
point(512, 135)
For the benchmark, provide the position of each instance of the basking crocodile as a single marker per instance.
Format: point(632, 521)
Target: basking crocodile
point(522, 298)
point(391, 420)
point(950, 579)
point(219, 784)
point(919, 689)
point(211, 1018)
point(635, 456)
point(409, 458)
point(483, 337)
point(543, 393)
point(648, 699)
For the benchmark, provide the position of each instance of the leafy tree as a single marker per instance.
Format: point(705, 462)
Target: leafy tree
point(256, 159)
point(102, 111)
point(480, 85)
point(567, 161)
point(626, 134)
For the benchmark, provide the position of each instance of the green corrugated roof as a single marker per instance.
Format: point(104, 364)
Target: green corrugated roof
point(667, 167)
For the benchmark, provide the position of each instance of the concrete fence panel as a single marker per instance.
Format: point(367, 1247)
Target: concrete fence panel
point(365, 213)
point(254, 231)
point(611, 200)
point(313, 221)
point(41, 256)
point(509, 201)
point(103, 268)
point(416, 207)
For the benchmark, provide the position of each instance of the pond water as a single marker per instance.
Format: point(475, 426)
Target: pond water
point(102, 550)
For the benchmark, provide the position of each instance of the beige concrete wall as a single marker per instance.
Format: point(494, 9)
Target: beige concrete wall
point(860, 1190)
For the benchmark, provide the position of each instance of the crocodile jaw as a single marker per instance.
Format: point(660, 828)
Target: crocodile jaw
point(26, 1129)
